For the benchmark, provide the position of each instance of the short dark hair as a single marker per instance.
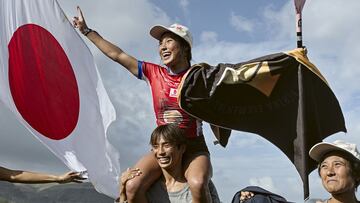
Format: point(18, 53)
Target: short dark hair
point(170, 132)
point(354, 165)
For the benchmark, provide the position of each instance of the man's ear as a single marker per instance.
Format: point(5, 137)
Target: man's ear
point(182, 148)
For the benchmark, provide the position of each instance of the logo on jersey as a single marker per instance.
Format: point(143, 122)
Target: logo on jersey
point(173, 92)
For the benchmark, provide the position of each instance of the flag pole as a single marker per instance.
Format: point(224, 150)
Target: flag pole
point(299, 30)
point(299, 5)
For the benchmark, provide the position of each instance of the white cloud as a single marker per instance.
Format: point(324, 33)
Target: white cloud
point(208, 37)
point(279, 23)
point(241, 23)
point(334, 42)
point(217, 51)
point(240, 140)
point(265, 182)
point(184, 4)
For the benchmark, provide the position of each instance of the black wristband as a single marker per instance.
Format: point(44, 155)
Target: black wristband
point(87, 31)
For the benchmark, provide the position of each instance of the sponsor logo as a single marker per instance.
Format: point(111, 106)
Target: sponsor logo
point(173, 92)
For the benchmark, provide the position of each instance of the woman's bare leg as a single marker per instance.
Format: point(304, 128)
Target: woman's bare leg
point(150, 171)
point(198, 172)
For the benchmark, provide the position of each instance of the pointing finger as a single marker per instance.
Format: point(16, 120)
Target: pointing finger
point(80, 14)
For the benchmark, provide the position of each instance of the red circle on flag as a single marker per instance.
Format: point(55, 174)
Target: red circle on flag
point(42, 82)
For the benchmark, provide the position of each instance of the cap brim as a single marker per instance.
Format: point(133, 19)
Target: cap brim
point(319, 150)
point(157, 31)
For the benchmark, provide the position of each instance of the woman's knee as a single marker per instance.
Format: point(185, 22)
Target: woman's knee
point(198, 183)
point(133, 188)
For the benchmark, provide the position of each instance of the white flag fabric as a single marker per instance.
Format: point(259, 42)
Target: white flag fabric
point(49, 80)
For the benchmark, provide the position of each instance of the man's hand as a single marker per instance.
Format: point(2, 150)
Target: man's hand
point(70, 177)
point(245, 195)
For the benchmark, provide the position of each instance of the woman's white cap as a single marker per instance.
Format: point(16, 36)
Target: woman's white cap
point(319, 150)
point(158, 30)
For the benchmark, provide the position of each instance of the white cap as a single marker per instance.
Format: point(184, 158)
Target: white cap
point(158, 30)
point(319, 150)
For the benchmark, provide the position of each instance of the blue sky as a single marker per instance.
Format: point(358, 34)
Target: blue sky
point(231, 31)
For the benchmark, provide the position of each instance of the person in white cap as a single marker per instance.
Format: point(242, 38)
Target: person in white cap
point(339, 170)
point(175, 43)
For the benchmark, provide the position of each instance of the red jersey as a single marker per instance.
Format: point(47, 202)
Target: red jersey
point(164, 93)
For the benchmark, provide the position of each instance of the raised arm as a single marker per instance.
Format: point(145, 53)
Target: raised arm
point(109, 49)
point(17, 176)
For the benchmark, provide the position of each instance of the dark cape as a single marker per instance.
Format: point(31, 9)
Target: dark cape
point(282, 97)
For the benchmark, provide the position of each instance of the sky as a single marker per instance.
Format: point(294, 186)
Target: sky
point(231, 31)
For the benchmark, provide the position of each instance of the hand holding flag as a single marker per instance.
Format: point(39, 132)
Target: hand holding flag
point(69, 177)
point(79, 22)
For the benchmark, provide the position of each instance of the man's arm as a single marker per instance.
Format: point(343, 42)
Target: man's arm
point(18, 176)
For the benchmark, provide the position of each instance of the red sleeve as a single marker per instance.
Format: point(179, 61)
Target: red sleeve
point(146, 70)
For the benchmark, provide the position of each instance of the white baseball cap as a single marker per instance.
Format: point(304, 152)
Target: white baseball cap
point(158, 30)
point(319, 150)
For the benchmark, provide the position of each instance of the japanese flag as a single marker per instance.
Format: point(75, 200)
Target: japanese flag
point(48, 79)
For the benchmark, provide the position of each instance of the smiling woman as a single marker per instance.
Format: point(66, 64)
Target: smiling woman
point(175, 43)
point(339, 170)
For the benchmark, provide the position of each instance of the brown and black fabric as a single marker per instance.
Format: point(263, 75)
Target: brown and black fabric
point(282, 97)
